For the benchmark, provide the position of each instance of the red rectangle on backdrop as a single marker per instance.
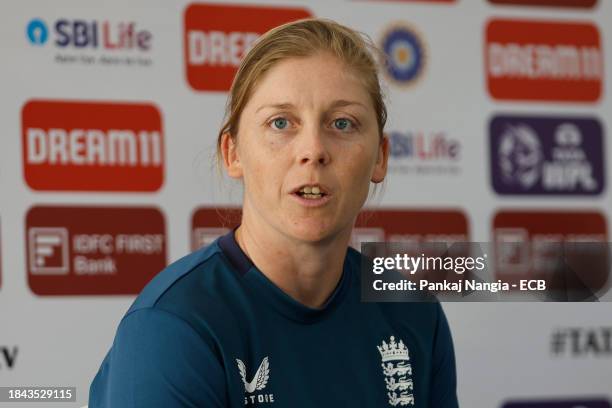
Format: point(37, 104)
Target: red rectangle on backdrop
point(93, 250)
point(410, 226)
point(549, 3)
point(209, 223)
point(216, 38)
point(92, 146)
point(528, 245)
point(0, 263)
point(393, 225)
point(543, 60)
point(563, 223)
point(415, 1)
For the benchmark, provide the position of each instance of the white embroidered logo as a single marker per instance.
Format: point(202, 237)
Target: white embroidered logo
point(397, 370)
point(258, 383)
point(261, 376)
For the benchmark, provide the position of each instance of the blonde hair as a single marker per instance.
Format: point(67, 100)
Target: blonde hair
point(304, 38)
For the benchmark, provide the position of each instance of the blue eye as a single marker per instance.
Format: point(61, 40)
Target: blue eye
point(343, 124)
point(280, 123)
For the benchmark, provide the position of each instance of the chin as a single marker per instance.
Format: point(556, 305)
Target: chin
point(313, 231)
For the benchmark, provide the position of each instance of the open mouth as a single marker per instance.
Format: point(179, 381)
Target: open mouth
point(311, 192)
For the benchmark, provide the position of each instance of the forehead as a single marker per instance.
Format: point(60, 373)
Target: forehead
point(309, 81)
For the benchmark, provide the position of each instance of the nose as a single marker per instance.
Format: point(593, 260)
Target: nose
point(312, 147)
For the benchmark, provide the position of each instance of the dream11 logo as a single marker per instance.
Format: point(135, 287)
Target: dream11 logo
point(92, 146)
point(542, 60)
point(216, 38)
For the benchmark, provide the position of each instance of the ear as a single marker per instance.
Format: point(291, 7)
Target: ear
point(229, 151)
point(380, 168)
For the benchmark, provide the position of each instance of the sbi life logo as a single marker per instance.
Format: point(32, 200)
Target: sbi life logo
point(424, 146)
point(90, 34)
point(37, 32)
point(405, 53)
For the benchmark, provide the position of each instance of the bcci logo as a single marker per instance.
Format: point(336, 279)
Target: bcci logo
point(397, 370)
point(405, 54)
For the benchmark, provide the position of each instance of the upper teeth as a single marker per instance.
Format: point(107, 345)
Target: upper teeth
point(311, 190)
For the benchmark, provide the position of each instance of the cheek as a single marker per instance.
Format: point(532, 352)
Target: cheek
point(262, 165)
point(258, 146)
point(360, 163)
point(250, 150)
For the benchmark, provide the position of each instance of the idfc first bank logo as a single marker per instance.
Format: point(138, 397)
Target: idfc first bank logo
point(92, 146)
point(216, 38)
point(546, 155)
point(93, 250)
point(547, 61)
point(90, 34)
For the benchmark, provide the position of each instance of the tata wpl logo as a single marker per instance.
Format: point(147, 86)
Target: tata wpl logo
point(547, 155)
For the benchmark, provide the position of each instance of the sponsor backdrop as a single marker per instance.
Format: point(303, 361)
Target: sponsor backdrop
point(498, 121)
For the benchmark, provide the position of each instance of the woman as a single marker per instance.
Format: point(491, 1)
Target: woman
point(270, 314)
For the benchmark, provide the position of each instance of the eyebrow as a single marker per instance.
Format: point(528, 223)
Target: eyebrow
point(339, 103)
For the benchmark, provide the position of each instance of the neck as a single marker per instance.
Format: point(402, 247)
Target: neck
point(307, 271)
